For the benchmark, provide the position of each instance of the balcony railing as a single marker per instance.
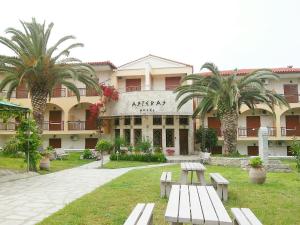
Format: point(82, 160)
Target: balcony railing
point(133, 88)
point(9, 126)
point(295, 131)
point(84, 92)
point(171, 87)
point(58, 92)
point(253, 132)
point(81, 125)
point(53, 125)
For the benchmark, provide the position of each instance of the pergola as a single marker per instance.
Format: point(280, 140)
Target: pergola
point(8, 109)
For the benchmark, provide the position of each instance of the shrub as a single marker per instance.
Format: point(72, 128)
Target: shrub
point(104, 146)
point(149, 157)
point(158, 150)
point(118, 142)
point(295, 147)
point(256, 162)
point(144, 146)
point(11, 148)
point(88, 154)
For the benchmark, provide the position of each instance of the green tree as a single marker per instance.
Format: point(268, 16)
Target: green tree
point(28, 141)
point(295, 147)
point(226, 94)
point(41, 67)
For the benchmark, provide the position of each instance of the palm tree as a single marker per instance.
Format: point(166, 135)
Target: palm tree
point(226, 95)
point(41, 67)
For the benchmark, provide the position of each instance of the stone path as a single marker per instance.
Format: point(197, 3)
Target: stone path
point(28, 201)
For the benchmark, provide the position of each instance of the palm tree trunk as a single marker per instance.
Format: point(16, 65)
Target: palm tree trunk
point(230, 121)
point(38, 102)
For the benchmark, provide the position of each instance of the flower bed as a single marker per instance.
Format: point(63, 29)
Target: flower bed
point(149, 157)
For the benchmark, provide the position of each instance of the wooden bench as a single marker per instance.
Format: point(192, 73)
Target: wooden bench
point(165, 184)
point(220, 184)
point(142, 214)
point(244, 216)
point(60, 153)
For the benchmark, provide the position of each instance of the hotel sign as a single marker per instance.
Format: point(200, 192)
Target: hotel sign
point(147, 105)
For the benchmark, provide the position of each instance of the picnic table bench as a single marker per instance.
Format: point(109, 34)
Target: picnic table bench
point(244, 216)
point(220, 184)
point(191, 167)
point(195, 205)
point(165, 184)
point(142, 214)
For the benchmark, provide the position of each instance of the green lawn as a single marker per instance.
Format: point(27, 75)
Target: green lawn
point(56, 165)
point(124, 164)
point(275, 203)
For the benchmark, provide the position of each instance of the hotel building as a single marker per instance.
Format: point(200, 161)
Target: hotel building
point(147, 109)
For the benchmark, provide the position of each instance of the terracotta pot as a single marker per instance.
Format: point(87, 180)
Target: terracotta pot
point(45, 163)
point(257, 175)
point(171, 153)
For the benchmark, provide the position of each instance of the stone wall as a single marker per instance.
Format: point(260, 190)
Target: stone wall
point(226, 161)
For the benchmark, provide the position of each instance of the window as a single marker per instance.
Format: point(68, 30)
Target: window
point(183, 120)
point(138, 120)
point(137, 135)
point(117, 122)
point(127, 136)
point(172, 83)
point(169, 137)
point(133, 85)
point(157, 137)
point(127, 121)
point(169, 120)
point(157, 120)
point(117, 133)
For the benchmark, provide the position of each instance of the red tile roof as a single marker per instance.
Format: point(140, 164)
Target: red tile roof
point(104, 63)
point(241, 72)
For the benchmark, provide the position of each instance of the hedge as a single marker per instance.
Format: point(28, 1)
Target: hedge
point(139, 157)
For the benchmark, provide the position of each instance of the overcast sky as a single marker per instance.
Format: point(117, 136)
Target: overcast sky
point(231, 33)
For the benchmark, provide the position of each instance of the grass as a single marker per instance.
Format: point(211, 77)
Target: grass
point(124, 164)
point(56, 165)
point(277, 202)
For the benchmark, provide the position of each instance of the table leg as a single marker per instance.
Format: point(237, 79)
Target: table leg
point(184, 177)
point(192, 177)
point(200, 175)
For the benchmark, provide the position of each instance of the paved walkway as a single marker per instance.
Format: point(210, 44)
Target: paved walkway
point(28, 201)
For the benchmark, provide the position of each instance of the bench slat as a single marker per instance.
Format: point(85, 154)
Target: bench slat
point(135, 214)
point(240, 217)
point(147, 215)
point(184, 205)
point(196, 211)
point(209, 213)
point(172, 208)
point(250, 216)
point(219, 207)
point(219, 178)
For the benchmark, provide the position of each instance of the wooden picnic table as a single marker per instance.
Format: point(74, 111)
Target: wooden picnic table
point(196, 205)
point(191, 167)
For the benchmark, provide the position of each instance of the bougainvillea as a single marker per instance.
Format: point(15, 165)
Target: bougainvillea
point(109, 94)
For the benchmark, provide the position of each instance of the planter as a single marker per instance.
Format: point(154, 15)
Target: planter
point(257, 175)
point(51, 156)
point(170, 152)
point(45, 163)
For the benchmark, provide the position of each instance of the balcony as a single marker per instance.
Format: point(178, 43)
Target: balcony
point(53, 125)
point(253, 132)
point(9, 126)
point(81, 125)
point(133, 88)
point(58, 92)
point(289, 132)
point(84, 92)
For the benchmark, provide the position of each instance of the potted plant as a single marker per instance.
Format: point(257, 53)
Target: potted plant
point(257, 172)
point(170, 152)
point(103, 146)
point(46, 155)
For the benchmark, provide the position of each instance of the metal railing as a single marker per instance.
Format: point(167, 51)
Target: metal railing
point(81, 125)
point(253, 132)
point(291, 131)
point(53, 125)
point(133, 88)
point(58, 92)
point(291, 98)
point(8, 126)
point(84, 92)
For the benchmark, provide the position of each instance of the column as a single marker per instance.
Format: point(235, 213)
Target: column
point(147, 76)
